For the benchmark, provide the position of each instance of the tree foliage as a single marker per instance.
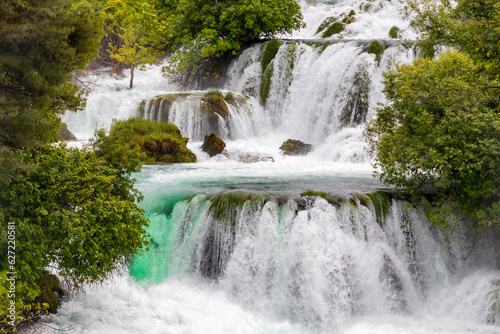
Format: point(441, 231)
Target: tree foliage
point(73, 212)
point(142, 30)
point(439, 132)
point(41, 44)
point(207, 28)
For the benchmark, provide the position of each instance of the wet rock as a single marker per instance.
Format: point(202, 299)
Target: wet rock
point(249, 158)
point(65, 134)
point(301, 203)
point(295, 147)
point(213, 145)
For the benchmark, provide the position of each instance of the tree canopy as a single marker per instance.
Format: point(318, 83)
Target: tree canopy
point(41, 44)
point(71, 210)
point(439, 132)
point(207, 28)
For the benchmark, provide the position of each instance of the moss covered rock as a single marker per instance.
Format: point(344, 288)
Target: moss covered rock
point(322, 194)
point(295, 147)
point(213, 145)
point(333, 29)
point(158, 142)
point(215, 104)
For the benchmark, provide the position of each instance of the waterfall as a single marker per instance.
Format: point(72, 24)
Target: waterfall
point(235, 249)
point(317, 261)
point(233, 116)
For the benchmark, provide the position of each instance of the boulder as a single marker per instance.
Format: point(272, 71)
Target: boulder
point(296, 147)
point(213, 145)
point(65, 134)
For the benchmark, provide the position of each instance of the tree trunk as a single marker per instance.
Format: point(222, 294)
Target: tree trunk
point(132, 68)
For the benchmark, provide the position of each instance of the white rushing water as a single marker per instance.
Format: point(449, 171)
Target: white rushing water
point(283, 264)
point(287, 268)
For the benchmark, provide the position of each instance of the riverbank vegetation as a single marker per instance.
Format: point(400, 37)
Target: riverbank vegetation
point(438, 135)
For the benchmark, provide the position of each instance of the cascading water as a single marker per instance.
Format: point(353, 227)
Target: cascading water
point(236, 248)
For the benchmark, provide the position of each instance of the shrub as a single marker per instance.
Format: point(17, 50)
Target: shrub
point(377, 48)
point(394, 32)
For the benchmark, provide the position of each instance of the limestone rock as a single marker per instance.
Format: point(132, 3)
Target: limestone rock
point(296, 147)
point(213, 145)
point(65, 134)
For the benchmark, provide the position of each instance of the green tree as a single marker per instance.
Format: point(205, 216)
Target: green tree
point(207, 28)
point(439, 132)
point(73, 212)
point(41, 44)
point(141, 28)
point(471, 26)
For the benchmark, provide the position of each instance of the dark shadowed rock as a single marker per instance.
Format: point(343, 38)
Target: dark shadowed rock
point(65, 134)
point(213, 145)
point(295, 147)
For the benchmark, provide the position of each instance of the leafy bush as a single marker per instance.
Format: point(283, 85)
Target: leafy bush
point(74, 212)
point(376, 48)
point(394, 32)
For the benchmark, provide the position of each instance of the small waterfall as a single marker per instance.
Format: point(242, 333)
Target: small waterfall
point(318, 262)
point(229, 116)
point(315, 89)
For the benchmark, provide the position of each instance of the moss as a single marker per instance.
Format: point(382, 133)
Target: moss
point(394, 32)
point(160, 142)
point(333, 29)
point(214, 94)
point(215, 104)
point(230, 98)
point(295, 147)
point(363, 198)
point(142, 107)
point(350, 202)
point(352, 13)
point(381, 203)
point(323, 45)
point(49, 285)
point(265, 84)
point(270, 50)
point(321, 194)
point(365, 6)
point(226, 206)
point(150, 106)
point(325, 24)
point(377, 48)
point(291, 49)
